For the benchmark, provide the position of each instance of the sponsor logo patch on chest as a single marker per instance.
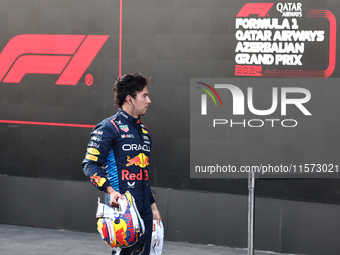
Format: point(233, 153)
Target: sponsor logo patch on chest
point(125, 128)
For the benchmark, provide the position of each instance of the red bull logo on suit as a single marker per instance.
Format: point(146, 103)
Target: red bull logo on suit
point(140, 160)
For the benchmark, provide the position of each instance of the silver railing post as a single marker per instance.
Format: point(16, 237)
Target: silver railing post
point(251, 211)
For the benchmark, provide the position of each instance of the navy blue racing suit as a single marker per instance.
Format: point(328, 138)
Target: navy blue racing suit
point(118, 155)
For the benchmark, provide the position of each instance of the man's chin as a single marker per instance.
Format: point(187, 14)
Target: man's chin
point(142, 113)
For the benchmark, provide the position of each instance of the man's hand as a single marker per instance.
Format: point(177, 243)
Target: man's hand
point(114, 195)
point(156, 214)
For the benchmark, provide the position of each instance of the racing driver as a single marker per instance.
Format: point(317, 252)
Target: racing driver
point(117, 157)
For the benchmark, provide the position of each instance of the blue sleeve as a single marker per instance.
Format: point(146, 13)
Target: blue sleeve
point(102, 137)
point(152, 193)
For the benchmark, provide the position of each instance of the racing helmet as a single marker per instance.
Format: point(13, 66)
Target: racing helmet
point(120, 228)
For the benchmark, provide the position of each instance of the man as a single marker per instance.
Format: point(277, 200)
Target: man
point(118, 153)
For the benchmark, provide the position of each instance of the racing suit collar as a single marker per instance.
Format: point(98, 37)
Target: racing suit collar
point(128, 117)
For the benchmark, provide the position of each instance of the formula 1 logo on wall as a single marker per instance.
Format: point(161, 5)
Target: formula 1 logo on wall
point(284, 40)
point(67, 55)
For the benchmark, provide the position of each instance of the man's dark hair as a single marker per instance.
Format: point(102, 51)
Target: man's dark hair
point(129, 84)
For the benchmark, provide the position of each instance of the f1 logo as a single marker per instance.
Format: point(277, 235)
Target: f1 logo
point(255, 8)
point(68, 55)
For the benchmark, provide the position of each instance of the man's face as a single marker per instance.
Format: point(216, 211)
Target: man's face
point(141, 103)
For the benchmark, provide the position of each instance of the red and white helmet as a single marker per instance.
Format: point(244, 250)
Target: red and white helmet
point(120, 227)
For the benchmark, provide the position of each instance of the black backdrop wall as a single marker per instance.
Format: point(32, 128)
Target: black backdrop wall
point(45, 124)
point(172, 42)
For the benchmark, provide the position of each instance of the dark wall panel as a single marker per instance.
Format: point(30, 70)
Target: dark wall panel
point(172, 41)
point(48, 203)
point(188, 216)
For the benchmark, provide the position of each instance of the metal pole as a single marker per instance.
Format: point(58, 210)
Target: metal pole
point(251, 203)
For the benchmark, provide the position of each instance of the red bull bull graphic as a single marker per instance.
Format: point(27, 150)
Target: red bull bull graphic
point(121, 237)
point(140, 160)
point(97, 180)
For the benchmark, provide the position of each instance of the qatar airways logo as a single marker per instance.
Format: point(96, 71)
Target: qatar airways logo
point(67, 55)
point(297, 97)
point(290, 9)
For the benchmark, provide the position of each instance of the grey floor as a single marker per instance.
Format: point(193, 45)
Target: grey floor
point(15, 240)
